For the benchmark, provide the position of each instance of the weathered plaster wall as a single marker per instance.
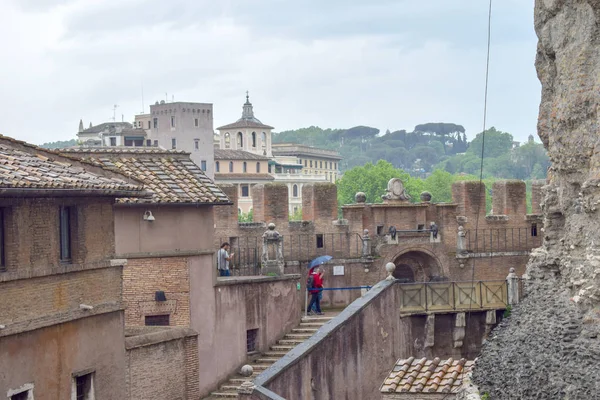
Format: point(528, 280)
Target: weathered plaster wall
point(550, 348)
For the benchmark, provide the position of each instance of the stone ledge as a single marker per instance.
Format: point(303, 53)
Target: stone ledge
point(42, 272)
point(58, 318)
point(159, 254)
point(497, 218)
point(158, 336)
point(493, 254)
point(241, 280)
point(534, 217)
point(336, 261)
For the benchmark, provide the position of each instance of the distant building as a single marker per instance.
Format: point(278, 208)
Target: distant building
point(111, 134)
point(247, 143)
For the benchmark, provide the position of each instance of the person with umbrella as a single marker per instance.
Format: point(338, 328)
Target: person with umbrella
point(315, 283)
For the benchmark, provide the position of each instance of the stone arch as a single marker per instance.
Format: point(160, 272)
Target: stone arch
point(417, 265)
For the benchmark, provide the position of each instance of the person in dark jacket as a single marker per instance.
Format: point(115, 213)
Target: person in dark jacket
point(315, 291)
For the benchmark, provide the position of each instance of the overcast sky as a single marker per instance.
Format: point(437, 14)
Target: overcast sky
point(390, 64)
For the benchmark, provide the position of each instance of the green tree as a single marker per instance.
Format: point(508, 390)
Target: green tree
point(497, 143)
point(296, 215)
point(446, 133)
point(60, 144)
point(372, 179)
point(246, 217)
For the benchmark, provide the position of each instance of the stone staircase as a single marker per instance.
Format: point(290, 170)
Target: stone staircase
point(308, 326)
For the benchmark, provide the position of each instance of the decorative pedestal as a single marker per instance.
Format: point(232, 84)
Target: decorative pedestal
point(272, 261)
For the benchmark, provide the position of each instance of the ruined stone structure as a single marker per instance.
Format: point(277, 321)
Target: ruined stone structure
point(550, 348)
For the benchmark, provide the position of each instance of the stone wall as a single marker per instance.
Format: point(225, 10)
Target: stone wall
point(549, 347)
point(351, 356)
point(162, 363)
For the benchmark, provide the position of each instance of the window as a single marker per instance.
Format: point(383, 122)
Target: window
point(196, 144)
point(311, 163)
point(420, 227)
point(203, 165)
point(196, 122)
point(251, 339)
point(156, 320)
point(155, 122)
point(533, 229)
point(264, 140)
point(295, 190)
point(148, 143)
point(156, 143)
point(25, 392)
point(245, 191)
point(172, 121)
point(240, 140)
point(217, 167)
point(379, 229)
point(113, 141)
point(149, 126)
point(65, 215)
point(227, 140)
point(258, 167)
point(173, 143)
point(230, 166)
point(305, 163)
point(244, 167)
point(320, 164)
point(320, 241)
point(254, 139)
point(335, 166)
point(83, 387)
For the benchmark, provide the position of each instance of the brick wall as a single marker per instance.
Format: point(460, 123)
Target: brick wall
point(142, 277)
point(536, 196)
point(163, 364)
point(270, 203)
point(319, 203)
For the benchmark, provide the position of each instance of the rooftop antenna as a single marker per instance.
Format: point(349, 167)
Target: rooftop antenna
point(115, 112)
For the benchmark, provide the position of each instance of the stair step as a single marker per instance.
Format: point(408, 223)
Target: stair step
point(299, 336)
point(225, 395)
point(268, 360)
point(260, 367)
point(305, 330)
point(316, 319)
point(316, 325)
point(293, 342)
point(238, 381)
point(283, 347)
point(275, 354)
point(229, 388)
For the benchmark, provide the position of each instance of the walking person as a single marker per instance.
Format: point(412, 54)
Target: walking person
point(223, 258)
point(322, 273)
point(314, 284)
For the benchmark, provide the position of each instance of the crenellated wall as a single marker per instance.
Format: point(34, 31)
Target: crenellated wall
point(508, 232)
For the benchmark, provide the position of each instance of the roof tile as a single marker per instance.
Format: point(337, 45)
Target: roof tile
point(426, 376)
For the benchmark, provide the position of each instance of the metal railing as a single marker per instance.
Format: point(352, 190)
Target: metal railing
point(298, 247)
point(423, 297)
point(502, 240)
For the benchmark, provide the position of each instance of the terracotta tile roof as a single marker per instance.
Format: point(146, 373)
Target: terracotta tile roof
point(104, 126)
point(26, 166)
point(426, 376)
point(170, 175)
point(241, 176)
point(226, 154)
point(121, 150)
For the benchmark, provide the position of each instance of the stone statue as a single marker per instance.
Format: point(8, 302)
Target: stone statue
point(434, 230)
point(395, 191)
point(273, 240)
point(393, 232)
point(460, 243)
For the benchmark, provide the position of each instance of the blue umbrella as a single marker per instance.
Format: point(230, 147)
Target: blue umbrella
point(319, 260)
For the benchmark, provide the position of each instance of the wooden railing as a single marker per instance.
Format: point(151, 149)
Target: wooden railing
point(423, 297)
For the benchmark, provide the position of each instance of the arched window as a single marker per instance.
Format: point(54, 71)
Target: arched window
point(217, 166)
point(230, 166)
point(227, 140)
point(258, 167)
point(240, 140)
point(254, 139)
point(245, 167)
point(264, 140)
point(295, 190)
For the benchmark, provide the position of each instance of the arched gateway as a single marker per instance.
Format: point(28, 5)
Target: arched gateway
point(417, 266)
